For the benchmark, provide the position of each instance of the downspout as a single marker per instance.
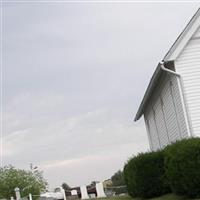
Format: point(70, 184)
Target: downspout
point(185, 108)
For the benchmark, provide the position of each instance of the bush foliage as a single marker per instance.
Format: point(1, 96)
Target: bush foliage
point(176, 169)
point(182, 166)
point(145, 176)
point(118, 180)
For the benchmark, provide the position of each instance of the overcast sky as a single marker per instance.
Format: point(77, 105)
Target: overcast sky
point(73, 77)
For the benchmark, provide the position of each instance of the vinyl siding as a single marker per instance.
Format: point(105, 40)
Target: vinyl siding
point(197, 34)
point(160, 122)
point(179, 107)
point(170, 113)
point(155, 143)
point(188, 65)
point(164, 115)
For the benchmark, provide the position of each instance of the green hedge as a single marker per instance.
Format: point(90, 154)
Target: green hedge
point(129, 177)
point(177, 166)
point(144, 175)
point(182, 166)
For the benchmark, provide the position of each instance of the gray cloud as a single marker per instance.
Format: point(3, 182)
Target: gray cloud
point(74, 75)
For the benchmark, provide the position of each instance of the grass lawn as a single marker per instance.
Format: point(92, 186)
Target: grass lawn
point(165, 197)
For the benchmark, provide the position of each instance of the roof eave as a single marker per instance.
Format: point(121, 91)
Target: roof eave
point(171, 55)
point(148, 92)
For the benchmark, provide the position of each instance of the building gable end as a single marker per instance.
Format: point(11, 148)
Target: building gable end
point(191, 29)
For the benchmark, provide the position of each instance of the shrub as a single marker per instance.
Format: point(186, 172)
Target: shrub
point(182, 166)
point(129, 177)
point(145, 176)
point(118, 181)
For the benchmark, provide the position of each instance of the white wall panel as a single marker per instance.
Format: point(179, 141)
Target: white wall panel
point(160, 122)
point(153, 131)
point(164, 114)
point(197, 34)
point(188, 65)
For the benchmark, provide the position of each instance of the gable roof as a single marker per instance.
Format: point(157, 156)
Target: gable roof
point(171, 55)
point(184, 37)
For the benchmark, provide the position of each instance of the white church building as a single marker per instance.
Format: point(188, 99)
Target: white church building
point(171, 104)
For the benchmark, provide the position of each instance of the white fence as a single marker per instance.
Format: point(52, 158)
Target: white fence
point(61, 193)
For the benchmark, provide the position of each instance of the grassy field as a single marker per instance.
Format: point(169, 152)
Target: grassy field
point(165, 197)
